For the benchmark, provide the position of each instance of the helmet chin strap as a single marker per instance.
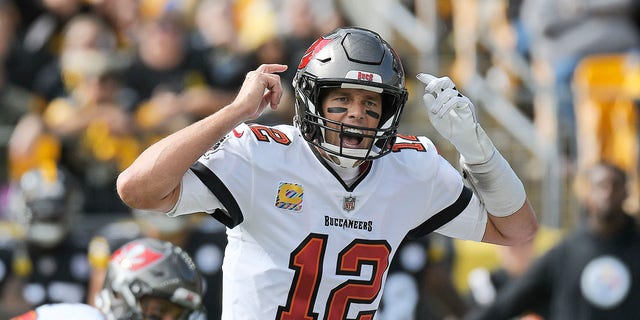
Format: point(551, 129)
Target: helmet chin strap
point(343, 161)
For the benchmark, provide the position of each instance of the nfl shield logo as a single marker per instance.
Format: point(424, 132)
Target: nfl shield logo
point(349, 203)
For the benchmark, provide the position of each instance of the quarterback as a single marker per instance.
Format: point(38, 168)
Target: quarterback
point(315, 211)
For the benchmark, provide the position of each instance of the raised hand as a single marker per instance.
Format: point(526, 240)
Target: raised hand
point(454, 117)
point(261, 88)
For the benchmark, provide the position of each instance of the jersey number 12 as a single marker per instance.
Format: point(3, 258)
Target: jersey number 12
point(307, 261)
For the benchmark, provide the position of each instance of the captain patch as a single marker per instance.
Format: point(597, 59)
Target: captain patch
point(289, 196)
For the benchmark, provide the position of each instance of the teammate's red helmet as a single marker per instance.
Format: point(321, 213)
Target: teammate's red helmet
point(149, 267)
point(349, 58)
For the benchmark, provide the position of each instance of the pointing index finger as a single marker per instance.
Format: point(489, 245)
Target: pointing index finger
point(425, 78)
point(272, 68)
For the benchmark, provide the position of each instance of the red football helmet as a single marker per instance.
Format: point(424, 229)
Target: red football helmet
point(149, 267)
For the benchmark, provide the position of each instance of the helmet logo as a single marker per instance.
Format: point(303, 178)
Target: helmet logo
point(364, 76)
point(135, 256)
point(311, 52)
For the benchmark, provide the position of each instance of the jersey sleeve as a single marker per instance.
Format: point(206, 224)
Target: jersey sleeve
point(206, 186)
point(470, 224)
point(458, 212)
point(194, 197)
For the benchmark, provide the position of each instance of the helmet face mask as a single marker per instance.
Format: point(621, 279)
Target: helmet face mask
point(356, 59)
point(149, 268)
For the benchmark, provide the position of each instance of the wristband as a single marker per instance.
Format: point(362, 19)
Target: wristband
point(496, 184)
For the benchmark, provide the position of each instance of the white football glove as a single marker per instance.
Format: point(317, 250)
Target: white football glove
point(454, 116)
point(487, 172)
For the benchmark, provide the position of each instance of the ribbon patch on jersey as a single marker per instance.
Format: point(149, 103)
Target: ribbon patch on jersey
point(289, 196)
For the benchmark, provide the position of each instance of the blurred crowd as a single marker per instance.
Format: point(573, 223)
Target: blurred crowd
point(86, 85)
point(89, 84)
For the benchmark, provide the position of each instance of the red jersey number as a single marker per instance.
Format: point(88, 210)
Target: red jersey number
point(307, 262)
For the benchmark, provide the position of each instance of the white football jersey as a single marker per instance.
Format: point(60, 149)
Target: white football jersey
point(302, 244)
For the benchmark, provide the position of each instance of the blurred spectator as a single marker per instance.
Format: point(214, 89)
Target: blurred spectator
point(31, 142)
point(171, 80)
point(591, 274)
point(41, 40)
point(123, 16)
point(216, 35)
point(203, 239)
point(330, 15)
point(89, 128)
point(606, 92)
point(562, 32)
point(83, 80)
point(47, 260)
point(484, 284)
point(298, 31)
point(15, 101)
point(513, 15)
point(256, 22)
point(300, 23)
point(94, 126)
point(83, 31)
point(274, 50)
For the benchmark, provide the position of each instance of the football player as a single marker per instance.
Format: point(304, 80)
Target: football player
point(204, 242)
point(316, 211)
point(47, 261)
point(146, 279)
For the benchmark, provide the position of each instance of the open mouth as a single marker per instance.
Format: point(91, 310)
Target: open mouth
point(352, 138)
